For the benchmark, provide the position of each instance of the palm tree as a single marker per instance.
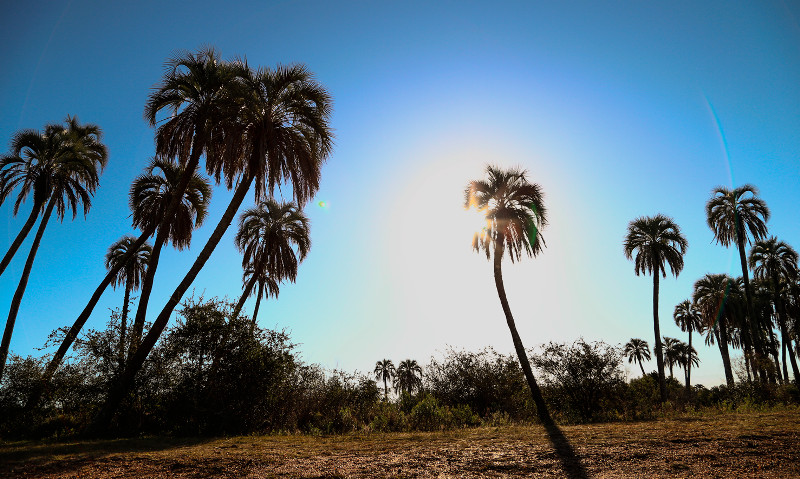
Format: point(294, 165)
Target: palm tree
point(69, 159)
point(688, 318)
point(656, 240)
point(712, 294)
point(130, 275)
point(385, 371)
point(514, 212)
point(777, 261)
point(150, 197)
point(267, 238)
point(406, 377)
point(688, 359)
point(267, 287)
point(281, 134)
point(673, 353)
point(637, 350)
point(731, 214)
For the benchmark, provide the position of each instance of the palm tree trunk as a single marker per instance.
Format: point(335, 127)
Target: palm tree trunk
point(541, 408)
point(642, 367)
point(775, 358)
point(689, 363)
point(746, 277)
point(258, 302)
point(124, 321)
point(723, 348)
point(26, 228)
point(784, 332)
point(245, 294)
point(124, 383)
point(54, 363)
point(23, 283)
point(662, 381)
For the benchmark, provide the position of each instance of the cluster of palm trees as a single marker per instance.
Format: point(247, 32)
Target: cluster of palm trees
point(256, 128)
point(675, 353)
point(407, 377)
point(730, 311)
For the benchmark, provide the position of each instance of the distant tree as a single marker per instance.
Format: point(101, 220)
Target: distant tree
point(673, 353)
point(688, 318)
point(656, 240)
point(637, 350)
point(385, 371)
point(688, 359)
point(408, 376)
point(267, 288)
point(712, 295)
point(515, 213)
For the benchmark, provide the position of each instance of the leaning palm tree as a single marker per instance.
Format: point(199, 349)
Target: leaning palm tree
point(712, 295)
point(281, 134)
point(776, 261)
point(274, 238)
point(385, 371)
point(70, 158)
point(130, 275)
point(637, 350)
point(731, 215)
point(673, 352)
point(656, 240)
point(515, 214)
point(688, 318)
point(408, 376)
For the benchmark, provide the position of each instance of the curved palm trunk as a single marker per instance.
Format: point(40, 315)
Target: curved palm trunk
point(541, 408)
point(784, 331)
point(124, 321)
point(141, 310)
point(258, 302)
point(722, 341)
point(124, 383)
point(23, 283)
point(662, 381)
point(26, 228)
point(641, 366)
point(245, 294)
point(72, 334)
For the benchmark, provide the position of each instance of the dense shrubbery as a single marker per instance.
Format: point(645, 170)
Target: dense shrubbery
point(213, 375)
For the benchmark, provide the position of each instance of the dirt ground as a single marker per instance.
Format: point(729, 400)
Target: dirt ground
point(723, 445)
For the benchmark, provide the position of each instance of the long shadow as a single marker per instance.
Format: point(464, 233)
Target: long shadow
point(570, 462)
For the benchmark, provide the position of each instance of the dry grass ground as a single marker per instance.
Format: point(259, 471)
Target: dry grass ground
point(721, 445)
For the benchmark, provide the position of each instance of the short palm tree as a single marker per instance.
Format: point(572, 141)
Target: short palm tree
point(712, 294)
point(385, 371)
point(515, 213)
point(69, 159)
point(274, 238)
point(129, 275)
point(688, 318)
point(688, 359)
point(637, 351)
point(656, 240)
point(776, 261)
point(408, 376)
point(673, 352)
point(735, 216)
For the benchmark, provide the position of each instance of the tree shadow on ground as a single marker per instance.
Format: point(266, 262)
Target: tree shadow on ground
point(570, 462)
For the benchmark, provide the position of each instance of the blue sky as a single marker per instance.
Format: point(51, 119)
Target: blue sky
point(617, 109)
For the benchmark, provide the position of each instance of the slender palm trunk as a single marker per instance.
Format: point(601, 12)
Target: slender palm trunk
point(784, 331)
point(141, 311)
point(258, 302)
point(26, 228)
point(662, 381)
point(689, 363)
point(385, 389)
point(245, 294)
point(124, 321)
point(124, 383)
point(23, 283)
point(775, 358)
point(541, 408)
point(748, 296)
point(641, 366)
point(72, 334)
point(722, 340)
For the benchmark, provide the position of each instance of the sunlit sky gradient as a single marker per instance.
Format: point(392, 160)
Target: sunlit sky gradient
point(617, 109)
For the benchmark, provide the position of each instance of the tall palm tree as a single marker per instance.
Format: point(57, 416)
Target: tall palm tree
point(70, 159)
point(688, 318)
point(731, 215)
point(515, 213)
point(673, 353)
point(408, 376)
point(130, 275)
point(712, 294)
point(150, 197)
point(637, 350)
point(777, 261)
point(656, 240)
point(268, 236)
point(280, 134)
point(385, 371)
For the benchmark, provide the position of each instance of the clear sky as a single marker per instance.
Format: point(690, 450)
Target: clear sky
point(617, 109)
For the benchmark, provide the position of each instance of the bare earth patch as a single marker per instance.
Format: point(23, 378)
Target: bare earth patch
point(726, 445)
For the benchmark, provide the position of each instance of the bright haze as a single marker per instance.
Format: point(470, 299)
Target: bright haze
point(617, 109)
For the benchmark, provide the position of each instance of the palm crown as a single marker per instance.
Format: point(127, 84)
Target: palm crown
point(770, 258)
point(687, 317)
point(637, 350)
point(732, 213)
point(132, 271)
point(656, 240)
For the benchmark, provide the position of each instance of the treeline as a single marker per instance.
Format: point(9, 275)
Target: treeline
point(217, 373)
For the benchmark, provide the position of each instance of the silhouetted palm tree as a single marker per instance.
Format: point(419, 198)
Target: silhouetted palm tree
point(731, 214)
point(688, 318)
point(777, 261)
point(637, 350)
point(712, 295)
point(656, 240)
point(514, 211)
point(70, 159)
point(408, 376)
point(267, 288)
point(688, 359)
point(673, 352)
point(385, 371)
point(130, 275)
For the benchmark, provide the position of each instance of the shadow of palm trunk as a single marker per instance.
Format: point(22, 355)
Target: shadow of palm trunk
point(570, 462)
